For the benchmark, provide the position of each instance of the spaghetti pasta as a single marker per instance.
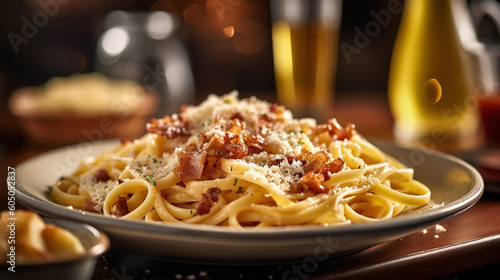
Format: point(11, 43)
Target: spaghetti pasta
point(244, 164)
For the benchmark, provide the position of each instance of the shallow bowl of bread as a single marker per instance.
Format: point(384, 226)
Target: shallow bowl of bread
point(36, 248)
point(83, 107)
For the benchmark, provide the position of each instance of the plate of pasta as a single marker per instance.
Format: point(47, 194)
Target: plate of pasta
point(241, 181)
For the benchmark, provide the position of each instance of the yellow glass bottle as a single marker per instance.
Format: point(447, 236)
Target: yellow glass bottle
point(428, 47)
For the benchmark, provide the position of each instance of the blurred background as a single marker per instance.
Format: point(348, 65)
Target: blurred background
point(221, 62)
point(228, 46)
point(211, 46)
point(228, 42)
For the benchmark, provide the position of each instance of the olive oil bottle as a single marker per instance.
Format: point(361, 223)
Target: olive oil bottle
point(428, 47)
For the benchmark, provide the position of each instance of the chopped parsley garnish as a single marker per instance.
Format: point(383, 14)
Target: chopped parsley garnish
point(235, 181)
point(148, 177)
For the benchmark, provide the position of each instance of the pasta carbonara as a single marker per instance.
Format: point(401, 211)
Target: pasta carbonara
point(243, 163)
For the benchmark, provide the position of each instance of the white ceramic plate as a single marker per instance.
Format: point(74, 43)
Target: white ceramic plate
point(453, 183)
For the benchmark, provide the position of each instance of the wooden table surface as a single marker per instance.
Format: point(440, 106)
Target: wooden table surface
point(459, 247)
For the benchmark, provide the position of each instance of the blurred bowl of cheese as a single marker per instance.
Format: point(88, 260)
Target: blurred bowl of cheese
point(83, 107)
point(36, 248)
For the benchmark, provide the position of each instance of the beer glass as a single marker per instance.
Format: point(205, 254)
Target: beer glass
point(305, 41)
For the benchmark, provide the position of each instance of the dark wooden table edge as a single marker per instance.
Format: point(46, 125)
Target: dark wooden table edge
point(430, 264)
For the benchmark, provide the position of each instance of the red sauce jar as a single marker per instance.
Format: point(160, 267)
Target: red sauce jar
point(489, 107)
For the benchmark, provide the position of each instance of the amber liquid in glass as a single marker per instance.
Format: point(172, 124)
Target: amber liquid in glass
point(305, 62)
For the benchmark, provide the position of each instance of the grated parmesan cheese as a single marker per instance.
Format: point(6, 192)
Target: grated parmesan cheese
point(282, 176)
point(96, 190)
point(285, 138)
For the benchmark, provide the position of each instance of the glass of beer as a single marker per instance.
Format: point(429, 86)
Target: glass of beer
point(305, 42)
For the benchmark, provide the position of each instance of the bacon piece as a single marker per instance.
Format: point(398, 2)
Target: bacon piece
point(276, 109)
point(275, 115)
point(274, 162)
point(335, 130)
point(90, 205)
point(314, 161)
point(234, 144)
point(207, 201)
point(216, 145)
point(338, 132)
point(191, 164)
point(120, 207)
point(264, 120)
point(101, 175)
point(238, 116)
point(235, 147)
point(204, 205)
point(255, 144)
point(311, 181)
point(228, 146)
point(237, 127)
point(169, 127)
point(213, 194)
point(213, 169)
point(333, 167)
